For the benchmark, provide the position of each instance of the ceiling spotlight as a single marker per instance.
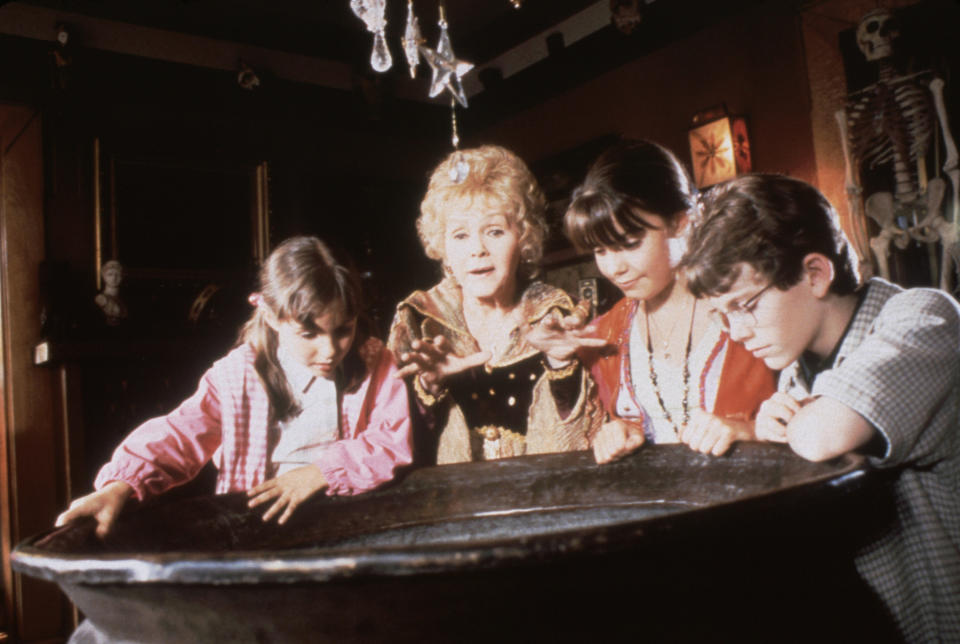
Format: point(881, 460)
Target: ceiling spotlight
point(516, 3)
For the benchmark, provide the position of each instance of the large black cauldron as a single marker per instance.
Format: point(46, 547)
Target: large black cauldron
point(665, 544)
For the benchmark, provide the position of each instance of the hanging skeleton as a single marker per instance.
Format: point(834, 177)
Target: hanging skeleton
point(893, 122)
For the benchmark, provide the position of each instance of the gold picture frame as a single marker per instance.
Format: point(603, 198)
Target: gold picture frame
point(179, 219)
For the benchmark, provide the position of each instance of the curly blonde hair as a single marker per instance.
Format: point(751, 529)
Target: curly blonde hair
point(489, 179)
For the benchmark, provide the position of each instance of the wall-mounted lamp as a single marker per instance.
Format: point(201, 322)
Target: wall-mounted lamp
point(63, 35)
point(625, 15)
point(247, 78)
point(719, 147)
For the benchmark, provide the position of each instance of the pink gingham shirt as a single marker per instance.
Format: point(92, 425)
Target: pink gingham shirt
point(227, 419)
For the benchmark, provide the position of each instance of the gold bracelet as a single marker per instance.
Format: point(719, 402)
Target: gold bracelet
point(561, 373)
point(425, 396)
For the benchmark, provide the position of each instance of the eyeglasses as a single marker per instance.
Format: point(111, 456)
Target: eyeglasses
point(745, 314)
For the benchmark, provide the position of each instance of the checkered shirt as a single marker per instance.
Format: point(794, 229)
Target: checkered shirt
point(899, 367)
point(227, 419)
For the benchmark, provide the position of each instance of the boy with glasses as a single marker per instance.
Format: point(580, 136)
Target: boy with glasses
point(873, 369)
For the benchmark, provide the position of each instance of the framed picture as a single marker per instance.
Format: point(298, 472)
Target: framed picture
point(163, 218)
point(558, 176)
point(189, 235)
point(742, 154)
point(712, 152)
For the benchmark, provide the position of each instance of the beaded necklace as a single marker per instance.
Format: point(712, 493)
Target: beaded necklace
point(686, 371)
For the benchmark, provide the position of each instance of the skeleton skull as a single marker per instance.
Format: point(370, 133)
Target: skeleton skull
point(876, 32)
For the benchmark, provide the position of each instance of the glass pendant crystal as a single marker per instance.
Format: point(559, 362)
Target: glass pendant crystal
point(380, 58)
point(412, 40)
point(373, 14)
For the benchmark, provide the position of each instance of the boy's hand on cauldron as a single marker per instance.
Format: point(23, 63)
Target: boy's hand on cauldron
point(616, 439)
point(774, 415)
point(559, 336)
point(433, 361)
point(287, 491)
point(103, 505)
point(709, 434)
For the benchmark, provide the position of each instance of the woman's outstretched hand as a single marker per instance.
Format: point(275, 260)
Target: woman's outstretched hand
point(103, 505)
point(433, 361)
point(559, 336)
point(287, 491)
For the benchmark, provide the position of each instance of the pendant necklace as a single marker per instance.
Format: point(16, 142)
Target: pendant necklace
point(686, 372)
point(664, 339)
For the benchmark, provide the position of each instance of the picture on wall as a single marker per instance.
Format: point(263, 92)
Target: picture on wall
point(712, 152)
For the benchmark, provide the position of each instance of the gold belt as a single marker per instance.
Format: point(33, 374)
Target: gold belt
point(500, 442)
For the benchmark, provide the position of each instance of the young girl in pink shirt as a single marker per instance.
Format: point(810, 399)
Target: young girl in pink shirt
point(305, 402)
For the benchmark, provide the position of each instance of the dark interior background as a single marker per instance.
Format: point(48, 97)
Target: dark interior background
point(150, 148)
point(178, 143)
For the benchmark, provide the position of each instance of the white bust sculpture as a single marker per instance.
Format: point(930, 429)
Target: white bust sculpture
point(108, 299)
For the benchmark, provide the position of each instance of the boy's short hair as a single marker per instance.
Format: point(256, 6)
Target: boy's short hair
point(770, 222)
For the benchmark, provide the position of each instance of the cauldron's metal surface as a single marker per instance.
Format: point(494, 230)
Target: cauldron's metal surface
point(494, 539)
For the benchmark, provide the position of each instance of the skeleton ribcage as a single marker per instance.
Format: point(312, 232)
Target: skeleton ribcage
point(890, 122)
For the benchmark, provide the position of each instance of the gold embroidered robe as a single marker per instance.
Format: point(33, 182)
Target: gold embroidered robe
point(509, 406)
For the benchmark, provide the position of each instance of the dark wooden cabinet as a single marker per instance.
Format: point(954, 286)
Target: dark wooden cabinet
point(107, 387)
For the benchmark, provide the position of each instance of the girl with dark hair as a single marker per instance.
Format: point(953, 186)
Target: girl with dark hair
point(305, 402)
point(673, 375)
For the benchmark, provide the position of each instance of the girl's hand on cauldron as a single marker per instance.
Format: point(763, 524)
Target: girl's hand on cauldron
point(433, 361)
point(616, 439)
point(103, 505)
point(287, 491)
point(774, 415)
point(709, 434)
point(559, 336)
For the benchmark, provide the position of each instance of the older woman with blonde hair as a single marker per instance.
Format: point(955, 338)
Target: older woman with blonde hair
point(490, 351)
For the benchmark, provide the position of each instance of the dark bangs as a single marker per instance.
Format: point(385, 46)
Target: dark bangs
point(596, 219)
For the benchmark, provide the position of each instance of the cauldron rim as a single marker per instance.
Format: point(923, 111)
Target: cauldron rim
point(324, 564)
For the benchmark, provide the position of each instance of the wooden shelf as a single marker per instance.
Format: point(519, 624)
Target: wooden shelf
point(51, 352)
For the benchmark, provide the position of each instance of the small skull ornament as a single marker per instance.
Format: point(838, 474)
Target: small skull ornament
point(876, 32)
point(625, 15)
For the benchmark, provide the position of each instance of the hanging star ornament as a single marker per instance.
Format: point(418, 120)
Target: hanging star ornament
point(373, 14)
point(412, 40)
point(447, 69)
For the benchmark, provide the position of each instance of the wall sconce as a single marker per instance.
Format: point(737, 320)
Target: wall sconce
point(625, 15)
point(247, 78)
point(63, 35)
point(719, 147)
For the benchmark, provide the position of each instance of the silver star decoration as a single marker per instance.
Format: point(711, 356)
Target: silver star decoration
point(412, 40)
point(447, 68)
